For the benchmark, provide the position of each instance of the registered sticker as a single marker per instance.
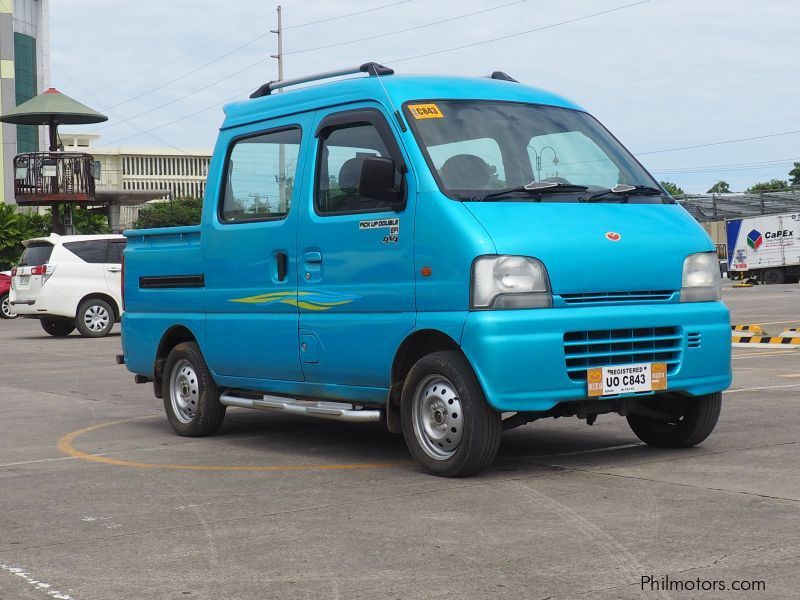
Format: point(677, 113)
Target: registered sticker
point(393, 226)
point(425, 111)
point(626, 379)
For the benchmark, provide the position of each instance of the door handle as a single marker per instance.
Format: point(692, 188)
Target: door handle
point(313, 257)
point(282, 260)
point(113, 269)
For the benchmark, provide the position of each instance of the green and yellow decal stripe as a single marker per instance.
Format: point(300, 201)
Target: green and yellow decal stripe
point(304, 300)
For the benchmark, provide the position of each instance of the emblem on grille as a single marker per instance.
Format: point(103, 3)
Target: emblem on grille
point(613, 236)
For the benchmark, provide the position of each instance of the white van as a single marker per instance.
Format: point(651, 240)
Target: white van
point(69, 282)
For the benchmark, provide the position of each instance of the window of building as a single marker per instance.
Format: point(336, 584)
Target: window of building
point(25, 88)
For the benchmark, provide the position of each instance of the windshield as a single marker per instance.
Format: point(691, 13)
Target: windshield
point(474, 147)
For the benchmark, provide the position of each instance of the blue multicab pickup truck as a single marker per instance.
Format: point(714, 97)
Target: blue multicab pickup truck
point(452, 256)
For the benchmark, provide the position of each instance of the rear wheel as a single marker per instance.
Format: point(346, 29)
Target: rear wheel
point(58, 326)
point(773, 276)
point(694, 418)
point(448, 426)
point(95, 318)
point(6, 311)
point(191, 398)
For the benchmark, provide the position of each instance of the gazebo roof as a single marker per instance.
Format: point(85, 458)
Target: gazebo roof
point(52, 106)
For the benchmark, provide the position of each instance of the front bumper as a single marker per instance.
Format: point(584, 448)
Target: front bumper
point(519, 355)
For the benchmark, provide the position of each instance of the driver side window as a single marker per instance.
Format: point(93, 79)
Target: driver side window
point(341, 158)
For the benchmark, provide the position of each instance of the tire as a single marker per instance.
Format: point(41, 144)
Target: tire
point(58, 326)
point(448, 426)
point(6, 311)
point(773, 276)
point(793, 279)
point(95, 318)
point(698, 417)
point(191, 398)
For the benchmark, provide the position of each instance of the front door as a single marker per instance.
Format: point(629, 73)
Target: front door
point(355, 254)
point(249, 250)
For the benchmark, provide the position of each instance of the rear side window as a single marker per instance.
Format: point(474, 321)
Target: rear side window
point(36, 254)
point(90, 251)
point(259, 177)
point(115, 249)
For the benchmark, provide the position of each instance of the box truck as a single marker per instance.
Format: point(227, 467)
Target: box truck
point(765, 248)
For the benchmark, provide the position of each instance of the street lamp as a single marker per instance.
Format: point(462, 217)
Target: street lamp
point(539, 159)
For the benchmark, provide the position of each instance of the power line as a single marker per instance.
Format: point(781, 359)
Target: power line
point(187, 73)
point(179, 57)
point(352, 14)
point(175, 100)
point(521, 33)
point(407, 29)
point(234, 50)
point(746, 139)
point(168, 123)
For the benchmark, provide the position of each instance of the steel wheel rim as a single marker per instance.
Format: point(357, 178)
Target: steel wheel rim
point(437, 417)
point(96, 318)
point(6, 308)
point(184, 391)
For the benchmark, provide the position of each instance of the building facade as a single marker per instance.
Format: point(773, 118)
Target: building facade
point(24, 73)
point(134, 170)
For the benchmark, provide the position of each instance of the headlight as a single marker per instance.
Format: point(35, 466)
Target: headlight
point(510, 282)
point(701, 278)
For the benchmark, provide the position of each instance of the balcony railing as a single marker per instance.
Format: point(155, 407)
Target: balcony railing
point(44, 177)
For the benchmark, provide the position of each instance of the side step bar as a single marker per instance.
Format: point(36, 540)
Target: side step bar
point(336, 411)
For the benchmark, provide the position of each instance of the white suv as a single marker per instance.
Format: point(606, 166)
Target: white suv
point(70, 281)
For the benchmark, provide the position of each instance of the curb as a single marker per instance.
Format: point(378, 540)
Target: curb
point(783, 342)
point(750, 328)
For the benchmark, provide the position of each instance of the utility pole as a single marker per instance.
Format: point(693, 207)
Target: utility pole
point(282, 203)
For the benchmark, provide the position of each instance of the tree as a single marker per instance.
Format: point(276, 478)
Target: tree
point(84, 221)
point(794, 175)
point(721, 187)
point(672, 188)
point(183, 211)
point(773, 185)
point(15, 227)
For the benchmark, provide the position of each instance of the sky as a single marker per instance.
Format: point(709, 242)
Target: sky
point(660, 74)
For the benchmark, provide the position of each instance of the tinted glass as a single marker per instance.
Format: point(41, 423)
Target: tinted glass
point(479, 146)
point(36, 254)
point(341, 158)
point(115, 252)
point(260, 177)
point(90, 251)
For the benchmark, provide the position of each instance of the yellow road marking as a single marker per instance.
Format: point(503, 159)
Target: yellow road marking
point(65, 446)
point(792, 375)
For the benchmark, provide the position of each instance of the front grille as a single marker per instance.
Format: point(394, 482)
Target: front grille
point(587, 349)
point(617, 297)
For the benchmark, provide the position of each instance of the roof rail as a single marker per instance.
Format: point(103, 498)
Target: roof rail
point(502, 76)
point(374, 69)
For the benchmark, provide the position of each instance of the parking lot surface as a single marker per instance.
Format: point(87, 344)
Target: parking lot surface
point(100, 500)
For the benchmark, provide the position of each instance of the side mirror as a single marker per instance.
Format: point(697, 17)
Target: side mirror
point(377, 181)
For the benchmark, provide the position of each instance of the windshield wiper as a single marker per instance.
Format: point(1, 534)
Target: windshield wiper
point(623, 191)
point(537, 188)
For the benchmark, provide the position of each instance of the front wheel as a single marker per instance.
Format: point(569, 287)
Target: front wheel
point(448, 426)
point(6, 312)
point(191, 398)
point(693, 421)
point(57, 327)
